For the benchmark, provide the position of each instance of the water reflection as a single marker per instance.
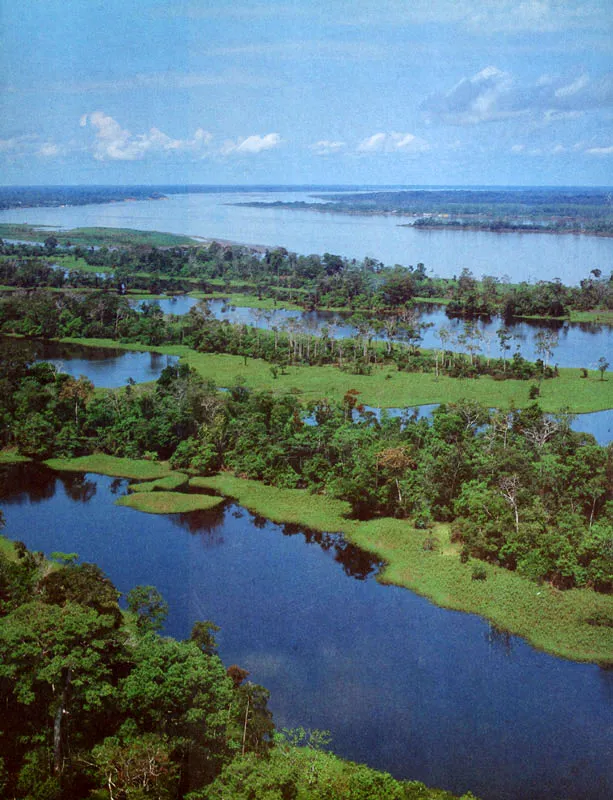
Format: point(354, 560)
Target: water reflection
point(499, 640)
point(26, 483)
point(105, 367)
point(79, 487)
point(421, 691)
point(356, 563)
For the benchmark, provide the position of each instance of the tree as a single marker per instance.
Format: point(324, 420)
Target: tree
point(58, 661)
point(137, 767)
point(545, 342)
point(504, 337)
point(77, 392)
point(603, 366)
point(203, 634)
point(149, 607)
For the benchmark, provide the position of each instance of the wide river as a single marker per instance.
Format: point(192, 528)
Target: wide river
point(520, 256)
point(402, 685)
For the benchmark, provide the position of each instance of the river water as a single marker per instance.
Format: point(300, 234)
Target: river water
point(578, 344)
point(520, 256)
point(403, 685)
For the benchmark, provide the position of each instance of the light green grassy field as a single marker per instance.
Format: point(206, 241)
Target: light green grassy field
point(549, 619)
point(169, 502)
point(248, 300)
point(125, 237)
point(172, 482)
point(135, 469)
point(401, 389)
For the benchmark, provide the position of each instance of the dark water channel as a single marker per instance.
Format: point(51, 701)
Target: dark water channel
point(405, 686)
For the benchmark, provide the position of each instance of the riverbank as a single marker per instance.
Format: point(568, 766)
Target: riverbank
point(549, 619)
point(573, 624)
point(385, 387)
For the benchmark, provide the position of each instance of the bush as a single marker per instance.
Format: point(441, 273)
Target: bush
point(479, 573)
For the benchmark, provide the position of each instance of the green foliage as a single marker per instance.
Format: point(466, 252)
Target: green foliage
point(149, 607)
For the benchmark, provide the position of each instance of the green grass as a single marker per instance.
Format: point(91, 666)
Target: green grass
point(401, 389)
point(438, 301)
point(7, 548)
point(173, 482)
point(549, 619)
point(11, 457)
point(135, 469)
point(122, 237)
point(248, 300)
point(69, 261)
point(169, 502)
point(599, 317)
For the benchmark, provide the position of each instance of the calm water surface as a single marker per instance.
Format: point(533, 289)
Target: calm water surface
point(104, 366)
point(524, 256)
point(405, 686)
point(579, 344)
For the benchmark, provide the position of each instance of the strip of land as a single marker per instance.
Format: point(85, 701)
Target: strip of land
point(387, 387)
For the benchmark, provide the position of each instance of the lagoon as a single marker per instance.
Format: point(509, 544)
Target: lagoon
point(403, 685)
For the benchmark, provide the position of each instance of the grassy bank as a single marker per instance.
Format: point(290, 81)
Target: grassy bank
point(11, 457)
point(248, 300)
point(135, 469)
point(168, 502)
point(400, 389)
point(114, 237)
point(171, 483)
point(595, 317)
point(549, 619)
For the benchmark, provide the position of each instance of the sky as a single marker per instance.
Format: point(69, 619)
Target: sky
point(402, 92)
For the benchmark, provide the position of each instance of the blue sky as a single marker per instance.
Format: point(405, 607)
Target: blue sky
point(271, 91)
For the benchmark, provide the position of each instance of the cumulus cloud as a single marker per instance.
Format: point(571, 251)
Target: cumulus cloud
point(392, 143)
point(493, 95)
point(325, 147)
point(29, 144)
point(251, 144)
point(114, 143)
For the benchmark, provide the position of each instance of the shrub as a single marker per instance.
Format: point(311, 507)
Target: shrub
point(479, 573)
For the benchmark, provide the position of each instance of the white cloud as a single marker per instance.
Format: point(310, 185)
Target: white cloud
point(325, 147)
point(18, 145)
point(252, 144)
point(600, 151)
point(392, 143)
point(572, 88)
point(493, 95)
point(49, 150)
point(28, 145)
point(114, 143)
point(374, 143)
